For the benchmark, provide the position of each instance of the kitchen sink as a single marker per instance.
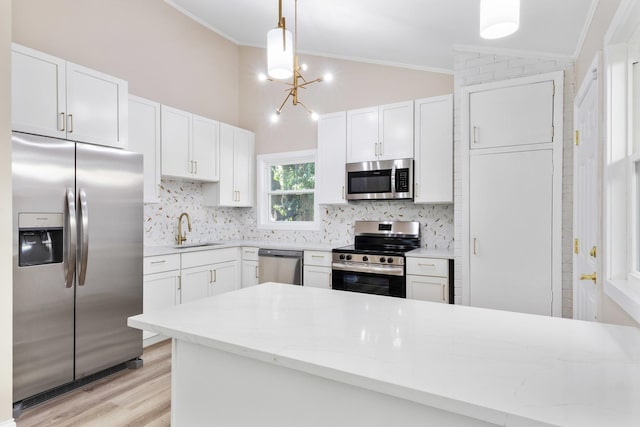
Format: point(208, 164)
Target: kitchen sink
point(194, 245)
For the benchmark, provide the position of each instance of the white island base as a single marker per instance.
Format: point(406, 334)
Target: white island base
point(282, 355)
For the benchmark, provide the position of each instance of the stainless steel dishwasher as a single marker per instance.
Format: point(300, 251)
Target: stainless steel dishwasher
point(279, 265)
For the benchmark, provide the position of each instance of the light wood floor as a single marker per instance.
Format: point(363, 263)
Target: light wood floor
point(140, 397)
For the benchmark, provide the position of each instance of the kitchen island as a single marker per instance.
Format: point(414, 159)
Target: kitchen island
point(282, 355)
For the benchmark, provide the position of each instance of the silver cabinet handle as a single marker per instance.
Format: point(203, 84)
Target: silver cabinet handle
point(210, 276)
point(215, 276)
point(84, 234)
point(426, 265)
point(416, 190)
point(375, 148)
point(196, 171)
point(179, 282)
point(475, 134)
point(63, 122)
point(70, 248)
point(343, 195)
point(443, 297)
point(381, 148)
point(475, 246)
point(70, 117)
point(257, 272)
point(159, 262)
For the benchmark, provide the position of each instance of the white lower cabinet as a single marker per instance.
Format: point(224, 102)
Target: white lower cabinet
point(428, 279)
point(161, 285)
point(210, 272)
point(316, 271)
point(250, 271)
point(195, 282)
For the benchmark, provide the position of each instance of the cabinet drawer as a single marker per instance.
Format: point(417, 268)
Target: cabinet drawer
point(319, 258)
point(428, 266)
point(160, 263)
point(317, 277)
point(250, 254)
point(434, 289)
point(195, 259)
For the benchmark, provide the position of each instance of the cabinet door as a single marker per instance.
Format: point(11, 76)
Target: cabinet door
point(332, 157)
point(362, 135)
point(244, 170)
point(160, 290)
point(395, 131)
point(144, 138)
point(38, 86)
point(249, 273)
point(97, 107)
point(225, 187)
point(225, 277)
point(433, 169)
point(195, 283)
point(425, 288)
point(510, 230)
point(512, 116)
point(176, 142)
point(205, 148)
point(317, 277)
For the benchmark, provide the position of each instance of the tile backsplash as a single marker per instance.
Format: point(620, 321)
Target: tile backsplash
point(210, 224)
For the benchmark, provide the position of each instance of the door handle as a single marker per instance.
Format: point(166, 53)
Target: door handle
point(475, 134)
point(215, 276)
point(475, 246)
point(70, 117)
point(71, 247)
point(589, 277)
point(593, 252)
point(375, 148)
point(196, 172)
point(63, 122)
point(257, 272)
point(443, 297)
point(84, 233)
point(381, 148)
point(343, 196)
point(415, 190)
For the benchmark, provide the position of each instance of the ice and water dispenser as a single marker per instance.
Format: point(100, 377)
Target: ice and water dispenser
point(40, 238)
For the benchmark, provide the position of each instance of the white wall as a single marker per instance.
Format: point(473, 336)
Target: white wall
point(6, 287)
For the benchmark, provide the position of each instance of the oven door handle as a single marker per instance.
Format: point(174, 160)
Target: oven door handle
point(387, 270)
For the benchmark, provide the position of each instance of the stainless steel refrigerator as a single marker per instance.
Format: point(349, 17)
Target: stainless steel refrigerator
point(77, 261)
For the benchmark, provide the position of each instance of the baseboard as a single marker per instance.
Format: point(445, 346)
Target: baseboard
point(151, 341)
point(9, 423)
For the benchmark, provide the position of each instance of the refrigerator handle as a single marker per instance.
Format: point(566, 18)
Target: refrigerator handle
point(84, 236)
point(72, 239)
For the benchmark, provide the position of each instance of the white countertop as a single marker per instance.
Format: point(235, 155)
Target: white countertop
point(507, 368)
point(431, 253)
point(166, 250)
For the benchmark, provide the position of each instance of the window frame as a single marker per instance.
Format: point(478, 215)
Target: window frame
point(621, 269)
point(264, 163)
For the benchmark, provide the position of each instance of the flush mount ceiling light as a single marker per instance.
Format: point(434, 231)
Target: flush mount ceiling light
point(499, 18)
point(282, 63)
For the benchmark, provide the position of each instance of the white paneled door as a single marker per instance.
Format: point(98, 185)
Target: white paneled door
point(585, 199)
point(511, 231)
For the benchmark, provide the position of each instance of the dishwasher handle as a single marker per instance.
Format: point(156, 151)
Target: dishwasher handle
point(281, 253)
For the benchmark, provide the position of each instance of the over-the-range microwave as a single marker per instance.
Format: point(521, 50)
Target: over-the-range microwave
point(380, 180)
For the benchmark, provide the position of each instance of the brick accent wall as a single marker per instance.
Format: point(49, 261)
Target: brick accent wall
point(474, 68)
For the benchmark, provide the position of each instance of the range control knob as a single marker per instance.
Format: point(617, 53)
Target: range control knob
point(341, 256)
point(383, 259)
point(389, 260)
point(365, 258)
point(349, 257)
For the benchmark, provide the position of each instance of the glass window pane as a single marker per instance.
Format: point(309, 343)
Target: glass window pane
point(292, 207)
point(300, 176)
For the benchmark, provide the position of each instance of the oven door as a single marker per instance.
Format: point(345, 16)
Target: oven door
point(355, 279)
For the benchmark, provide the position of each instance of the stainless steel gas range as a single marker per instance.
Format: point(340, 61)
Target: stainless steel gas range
point(375, 263)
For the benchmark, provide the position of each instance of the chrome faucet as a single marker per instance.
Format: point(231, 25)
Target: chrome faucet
point(181, 238)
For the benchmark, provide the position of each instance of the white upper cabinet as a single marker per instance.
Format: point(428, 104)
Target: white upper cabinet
point(512, 116)
point(53, 97)
point(380, 133)
point(144, 138)
point(332, 156)
point(433, 170)
point(237, 170)
point(190, 147)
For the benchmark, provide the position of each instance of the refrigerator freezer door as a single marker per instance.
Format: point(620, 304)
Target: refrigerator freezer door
point(43, 175)
point(110, 217)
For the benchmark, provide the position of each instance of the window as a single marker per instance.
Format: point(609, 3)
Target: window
point(286, 191)
point(621, 262)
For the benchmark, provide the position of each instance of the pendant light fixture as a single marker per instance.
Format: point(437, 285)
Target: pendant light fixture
point(280, 49)
point(499, 18)
point(280, 40)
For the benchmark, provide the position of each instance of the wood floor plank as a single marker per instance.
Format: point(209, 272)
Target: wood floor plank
point(140, 398)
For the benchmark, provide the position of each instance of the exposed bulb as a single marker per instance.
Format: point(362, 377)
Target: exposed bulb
point(275, 117)
point(262, 77)
point(314, 116)
point(328, 77)
point(304, 67)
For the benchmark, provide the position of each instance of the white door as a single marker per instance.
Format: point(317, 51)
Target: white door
point(144, 138)
point(510, 260)
point(511, 116)
point(395, 131)
point(249, 273)
point(585, 200)
point(224, 193)
point(176, 143)
point(362, 135)
point(205, 148)
point(38, 103)
point(225, 277)
point(160, 290)
point(243, 167)
point(195, 283)
point(317, 277)
point(332, 156)
point(97, 107)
